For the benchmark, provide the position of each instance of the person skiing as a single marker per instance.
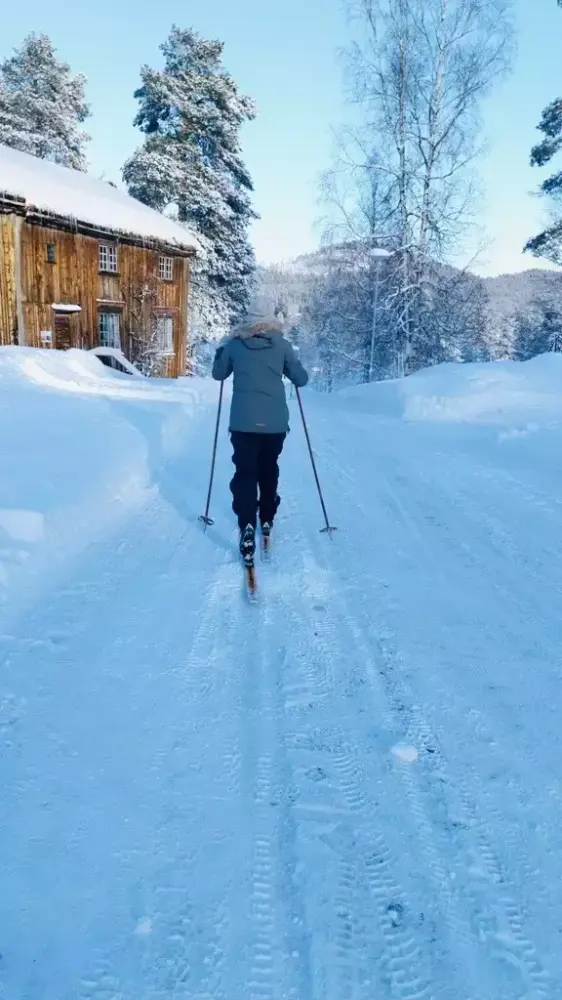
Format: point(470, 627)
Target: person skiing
point(258, 356)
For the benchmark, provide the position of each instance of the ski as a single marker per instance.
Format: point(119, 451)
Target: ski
point(251, 583)
point(247, 552)
point(265, 543)
point(265, 547)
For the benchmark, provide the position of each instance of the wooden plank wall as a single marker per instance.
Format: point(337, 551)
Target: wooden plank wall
point(182, 331)
point(7, 280)
point(74, 279)
point(138, 269)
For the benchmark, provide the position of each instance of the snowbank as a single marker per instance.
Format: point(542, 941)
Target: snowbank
point(72, 194)
point(84, 373)
point(494, 393)
point(80, 443)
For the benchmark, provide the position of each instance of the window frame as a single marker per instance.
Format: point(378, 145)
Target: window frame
point(107, 256)
point(165, 268)
point(114, 329)
point(167, 350)
point(51, 253)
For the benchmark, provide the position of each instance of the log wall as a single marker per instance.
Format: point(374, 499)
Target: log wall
point(73, 277)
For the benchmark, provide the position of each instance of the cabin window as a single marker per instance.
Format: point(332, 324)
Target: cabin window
point(108, 330)
point(166, 268)
point(50, 253)
point(164, 331)
point(108, 257)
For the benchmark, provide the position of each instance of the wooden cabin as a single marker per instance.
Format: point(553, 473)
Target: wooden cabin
point(84, 265)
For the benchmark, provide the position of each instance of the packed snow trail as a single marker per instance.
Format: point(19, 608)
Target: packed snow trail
point(351, 790)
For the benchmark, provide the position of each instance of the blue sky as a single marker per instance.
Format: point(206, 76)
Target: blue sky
point(285, 55)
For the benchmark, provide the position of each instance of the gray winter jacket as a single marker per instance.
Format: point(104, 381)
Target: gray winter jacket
point(258, 357)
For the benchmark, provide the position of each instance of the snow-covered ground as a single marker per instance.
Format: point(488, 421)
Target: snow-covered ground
point(352, 790)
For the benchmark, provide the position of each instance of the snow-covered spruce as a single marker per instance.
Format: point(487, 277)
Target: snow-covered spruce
point(42, 105)
point(191, 114)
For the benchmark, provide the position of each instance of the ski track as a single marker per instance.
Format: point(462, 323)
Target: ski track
point(274, 844)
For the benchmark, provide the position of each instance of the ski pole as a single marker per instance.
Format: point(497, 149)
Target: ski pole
point(205, 517)
point(329, 528)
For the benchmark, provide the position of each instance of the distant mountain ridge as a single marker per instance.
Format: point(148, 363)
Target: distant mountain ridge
point(511, 293)
point(507, 294)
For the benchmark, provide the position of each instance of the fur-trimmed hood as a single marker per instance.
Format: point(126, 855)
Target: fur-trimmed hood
point(258, 356)
point(261, 329)
point(258, 323)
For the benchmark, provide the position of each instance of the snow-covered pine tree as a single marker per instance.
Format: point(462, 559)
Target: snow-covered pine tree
point(191, 113)
point(548, 244)
point(42, 104)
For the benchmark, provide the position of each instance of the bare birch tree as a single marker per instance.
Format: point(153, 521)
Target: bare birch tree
point(417, 73)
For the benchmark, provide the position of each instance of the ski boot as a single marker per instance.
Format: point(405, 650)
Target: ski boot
point(248, 545)
point(266, 540)
point(247, 551)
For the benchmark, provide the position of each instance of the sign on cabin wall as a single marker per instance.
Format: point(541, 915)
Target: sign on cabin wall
point(46, 337)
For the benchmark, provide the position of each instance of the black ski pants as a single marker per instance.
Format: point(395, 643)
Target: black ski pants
point(255, 458)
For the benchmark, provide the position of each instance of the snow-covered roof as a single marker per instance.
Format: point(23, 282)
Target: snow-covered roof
point(70, 194)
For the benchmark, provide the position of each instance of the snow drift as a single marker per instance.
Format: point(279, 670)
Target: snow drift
point(494, 393)
point(79, 442)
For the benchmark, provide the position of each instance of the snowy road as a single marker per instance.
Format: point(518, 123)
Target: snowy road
point(349, 792)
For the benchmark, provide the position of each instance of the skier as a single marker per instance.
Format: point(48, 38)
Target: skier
point(258, 356)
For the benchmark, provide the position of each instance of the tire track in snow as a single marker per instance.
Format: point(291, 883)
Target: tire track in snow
point(514, 627)
point(514, 945)
point(402, 944)
point(514, 631)
point(276, 958)
point(190, 906)
point(366, 878)
point(471, 978)
point(182, 940)
point(333, 889)
point(261, 983)
point(156, 958)
point(198, 964)
point(518, 843)
point(497, 907)
point(497, 916)
point(392, 902)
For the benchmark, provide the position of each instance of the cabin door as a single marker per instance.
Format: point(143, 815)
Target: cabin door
point(63, 333)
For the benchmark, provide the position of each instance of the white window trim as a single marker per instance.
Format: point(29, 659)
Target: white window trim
point(166, 268)
point(165, 345)
point(112, 336)
point(107, 258)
